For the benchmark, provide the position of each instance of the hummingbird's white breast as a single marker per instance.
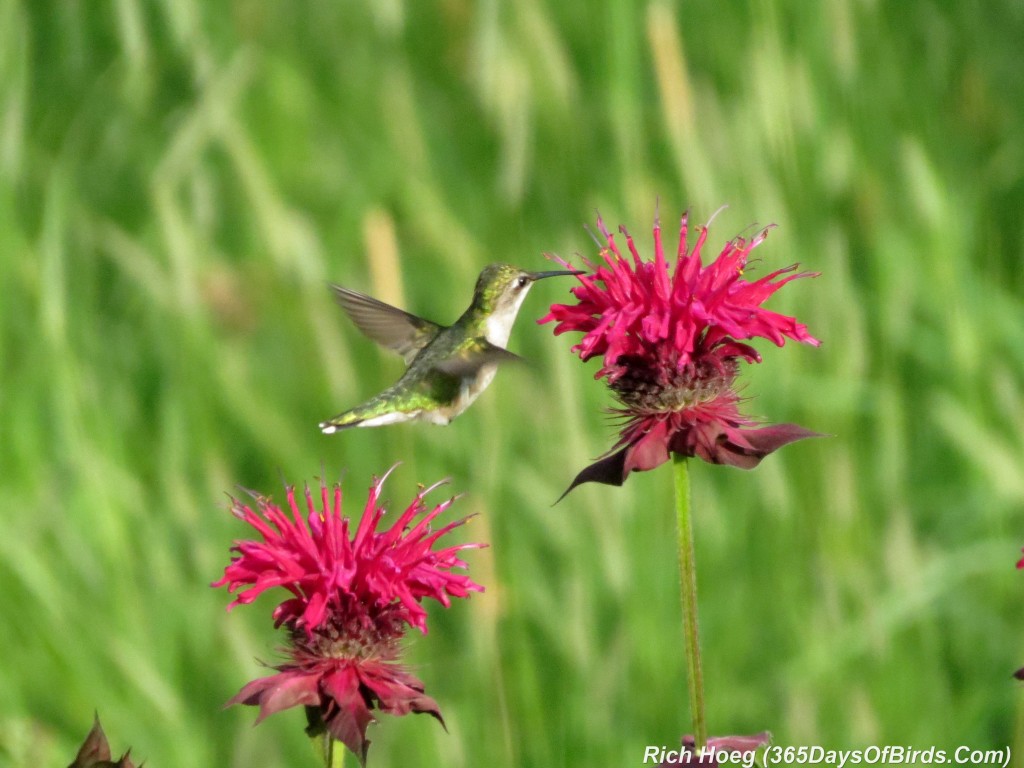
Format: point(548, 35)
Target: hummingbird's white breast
point(501, 320)
point(499, 328)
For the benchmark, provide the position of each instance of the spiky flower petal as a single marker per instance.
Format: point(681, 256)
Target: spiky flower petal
point(671, 342)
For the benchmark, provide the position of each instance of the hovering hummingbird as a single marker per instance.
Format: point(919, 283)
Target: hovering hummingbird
point(448, 366)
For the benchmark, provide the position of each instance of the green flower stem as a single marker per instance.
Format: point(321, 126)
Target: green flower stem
point(335, 754)
point(688, 591)
point(330, 751)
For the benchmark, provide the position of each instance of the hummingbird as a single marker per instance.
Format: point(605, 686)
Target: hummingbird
point(448, 366)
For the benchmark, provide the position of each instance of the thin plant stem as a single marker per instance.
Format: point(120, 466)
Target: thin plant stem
point(330, 751)
point(688, 592)
point(335, 753)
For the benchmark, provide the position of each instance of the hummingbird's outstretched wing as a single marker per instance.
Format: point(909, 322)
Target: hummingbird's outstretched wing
point(467, 360)
point(389, 326)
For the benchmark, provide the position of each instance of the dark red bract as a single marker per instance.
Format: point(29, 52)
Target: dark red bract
point(342, 690)
point(353, 597)
point(95, 751)
point(671, 342)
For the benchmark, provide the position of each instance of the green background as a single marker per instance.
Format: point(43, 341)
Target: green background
point(178, 182)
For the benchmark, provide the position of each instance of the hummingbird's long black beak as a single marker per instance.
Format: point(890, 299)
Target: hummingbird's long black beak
point(553, 273)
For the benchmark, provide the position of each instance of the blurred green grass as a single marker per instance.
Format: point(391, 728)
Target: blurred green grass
point(179, 180)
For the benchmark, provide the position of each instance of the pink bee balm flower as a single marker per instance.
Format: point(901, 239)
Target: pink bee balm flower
point(353, 597)
point(1019, 674)
point(670, 343)
point(719, 750)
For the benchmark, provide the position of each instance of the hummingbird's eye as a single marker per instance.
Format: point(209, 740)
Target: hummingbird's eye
point(521, 282)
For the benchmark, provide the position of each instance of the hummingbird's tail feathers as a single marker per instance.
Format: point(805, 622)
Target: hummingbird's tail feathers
point(340, 422)
point(373, 413)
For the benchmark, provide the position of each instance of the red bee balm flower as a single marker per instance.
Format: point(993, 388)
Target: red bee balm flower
point(1019, 674)
point(671, 345)
point(720, 749)
point(352, 599)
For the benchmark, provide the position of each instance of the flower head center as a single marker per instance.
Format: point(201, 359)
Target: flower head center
point(353, 637)
point(644, 388)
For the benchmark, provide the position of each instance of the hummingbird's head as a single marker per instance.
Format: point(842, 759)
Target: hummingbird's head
point(499, 293)
point(503, 287)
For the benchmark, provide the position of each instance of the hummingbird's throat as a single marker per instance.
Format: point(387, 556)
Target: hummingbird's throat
point(646, 389)
point(499, 323)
